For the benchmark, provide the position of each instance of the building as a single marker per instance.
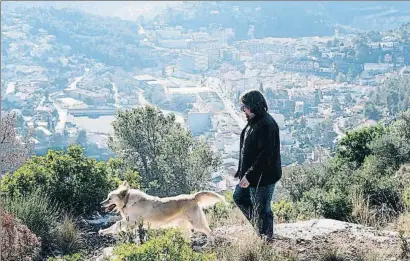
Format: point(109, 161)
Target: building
point(199, 122)
point(299, 107)
point(280, 119)
point(378, 67)
point(193, 62)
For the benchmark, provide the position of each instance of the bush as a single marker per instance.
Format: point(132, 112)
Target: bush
point(17, 242)
point(73, 257)
point(284, 211)
point(37, 212)
point(170, 246)
point(332, 204)
point(68, 236)
point(76, 182)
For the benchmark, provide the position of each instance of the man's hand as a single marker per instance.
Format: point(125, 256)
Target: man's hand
point(244, 183)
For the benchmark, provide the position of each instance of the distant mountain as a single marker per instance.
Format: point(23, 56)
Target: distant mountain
point(128, 10)
point(291, 19)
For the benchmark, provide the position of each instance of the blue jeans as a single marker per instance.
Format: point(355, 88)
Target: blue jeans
point(255, 204)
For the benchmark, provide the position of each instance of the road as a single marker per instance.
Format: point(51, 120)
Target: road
point(403, 69)
point(214, 84)
point(73, 85)
point(62, 113)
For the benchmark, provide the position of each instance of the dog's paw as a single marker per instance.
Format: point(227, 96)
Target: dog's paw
point(100, 232)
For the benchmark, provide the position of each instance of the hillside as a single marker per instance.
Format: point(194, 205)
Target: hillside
point(367, 183)
point(292, 19)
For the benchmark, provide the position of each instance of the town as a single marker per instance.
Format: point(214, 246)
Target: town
point(317, 87)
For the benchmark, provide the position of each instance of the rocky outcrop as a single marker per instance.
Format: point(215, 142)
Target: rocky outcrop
point(309, 238)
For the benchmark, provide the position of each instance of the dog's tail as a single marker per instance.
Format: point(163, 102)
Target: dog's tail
point(207, 199)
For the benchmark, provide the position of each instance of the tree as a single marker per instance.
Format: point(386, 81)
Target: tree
point(269, 94)
point(13, 152)
point(170, 161)
point(315, 52)
point(340, 77)
point(82, 138)
point(355, 146)
point(351, 74)
point(318, 97)
point(261, 88)
point(371, 112)
point(348, 98)
point(76, 182)
point(336, 105)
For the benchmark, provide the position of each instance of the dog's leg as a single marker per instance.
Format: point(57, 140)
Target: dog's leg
point(197, 218)
point(119, 226)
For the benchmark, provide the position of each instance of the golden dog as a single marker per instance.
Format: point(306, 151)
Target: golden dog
point(183, 211)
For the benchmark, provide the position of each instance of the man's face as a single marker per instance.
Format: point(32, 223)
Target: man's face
point(247, 111)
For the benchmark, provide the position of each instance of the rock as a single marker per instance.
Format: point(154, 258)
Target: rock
point(107, 253)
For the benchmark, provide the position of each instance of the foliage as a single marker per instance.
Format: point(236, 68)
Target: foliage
point(17, 242)
point(76, 182)
point(284, 211)
point(355, 146)
point(171, 246)
point(170, 161)
point(367, 181)
point(393, 95)
point(37, 212)
point(68, 236)
point(12, 152)
point(73, 257)
point(372, 112)
point(109, 40)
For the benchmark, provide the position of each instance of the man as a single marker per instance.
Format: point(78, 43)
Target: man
point(259, 163)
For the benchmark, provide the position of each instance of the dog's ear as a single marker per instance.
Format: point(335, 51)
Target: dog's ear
point(125, 184)
point(124, 188)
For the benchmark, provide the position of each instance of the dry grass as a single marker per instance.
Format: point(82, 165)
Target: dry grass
point(249, 247)
point(68, 236)
point(225, 215)
point(361, 212)
point(403, 224)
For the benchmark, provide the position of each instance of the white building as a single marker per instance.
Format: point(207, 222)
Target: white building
point(194, 62)
point(299, 107)
point(199, 122)
point(280, 119)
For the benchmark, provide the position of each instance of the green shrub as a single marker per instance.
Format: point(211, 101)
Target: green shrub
point(327, 204)
point(171, 246)
point(37, 212)
point(284, 211)
point(73, 257)
point(76, 182)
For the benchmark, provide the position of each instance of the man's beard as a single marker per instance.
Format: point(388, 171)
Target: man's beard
point(247, 116)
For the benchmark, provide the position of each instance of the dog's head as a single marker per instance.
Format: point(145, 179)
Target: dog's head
point(116, 198)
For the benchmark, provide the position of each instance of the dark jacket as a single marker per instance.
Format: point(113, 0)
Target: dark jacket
point(259, 157)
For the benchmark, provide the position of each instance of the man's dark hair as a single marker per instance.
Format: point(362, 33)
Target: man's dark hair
point(255, 100)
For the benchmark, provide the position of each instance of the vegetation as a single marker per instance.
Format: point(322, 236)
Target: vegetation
point(37, 212)
point(109, 40)
point(170, 161)
point(363, 183)
point(169, 246)
point(74, 181)
point(17, 241)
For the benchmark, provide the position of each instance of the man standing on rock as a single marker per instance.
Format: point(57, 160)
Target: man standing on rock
point(259, 163)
